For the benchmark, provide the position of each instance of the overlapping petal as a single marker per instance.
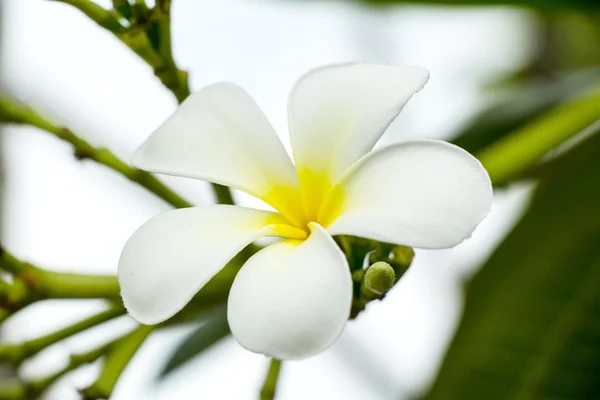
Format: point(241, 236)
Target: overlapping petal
point(423, 193)
point(173, 255)
point(292, 299)
point(219, 134)
point(337, 114)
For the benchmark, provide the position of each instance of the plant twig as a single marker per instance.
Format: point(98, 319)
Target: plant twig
point(160, 60)
point(16, 113)
point(106, 19)
point(31, 283)
point(118, 357)
point(20, 390)
point(16, 353)
point(269, 387)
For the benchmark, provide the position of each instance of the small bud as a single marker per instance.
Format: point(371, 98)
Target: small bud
point(379, 278)
point(358, 275)
point(400, 259)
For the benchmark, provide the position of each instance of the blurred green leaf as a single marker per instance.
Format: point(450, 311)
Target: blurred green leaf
point(542, 4)
point(531, 324)
point(515, 154)
point(519, 106)
point(213, 328)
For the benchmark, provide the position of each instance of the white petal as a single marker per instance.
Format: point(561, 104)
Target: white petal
point(338, 113)
point(173, 255)
point(421, 193)
point(219, 134)
point(292, 299)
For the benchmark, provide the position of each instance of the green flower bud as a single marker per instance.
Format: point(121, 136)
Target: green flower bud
point(400, 259)
point(379, 278)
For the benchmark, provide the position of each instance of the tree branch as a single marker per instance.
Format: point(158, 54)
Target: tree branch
point(31, 283)
point(16, 353)
point(117, 359)
point(20, 114)
point(19, 390)
point(159, 59)
point(106, 19)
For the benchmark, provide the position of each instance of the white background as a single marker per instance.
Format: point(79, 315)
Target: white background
point(75, 216)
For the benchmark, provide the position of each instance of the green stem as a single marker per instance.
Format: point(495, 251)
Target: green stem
point(106, 19)
point(515, 154)
point(173, 78)
point(117, 359)
point(16, 353)
point(19, 390)
point(64, 285)
point(161, 62)
point(269, 387)
point(32, 283)
point(75, 361)
point(222, 194)
point(11, 112)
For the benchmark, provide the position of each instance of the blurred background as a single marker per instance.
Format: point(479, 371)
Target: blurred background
point(511, 313)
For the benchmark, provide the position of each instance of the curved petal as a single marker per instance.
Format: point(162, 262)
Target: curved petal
point(219, 134)
point(292, 299)
point(338, 113)
point(421, 193)
point(170, 257)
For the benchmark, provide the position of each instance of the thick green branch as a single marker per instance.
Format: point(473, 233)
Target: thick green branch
point(269, 387)
point(32, 283)
point(16, 113)
point(16, 353)
point(117, 359)
point(106, 19)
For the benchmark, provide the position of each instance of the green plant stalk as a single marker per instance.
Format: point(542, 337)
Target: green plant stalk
point(20, 390)
point(104, 18)
point(269, 387)
point(33, 283)
point(117, 359)
point(64, 285)
point(75, 361)
point(515, 154)
point(16, 353)
point(16, 113)
point(177, 80)
point(162, 62)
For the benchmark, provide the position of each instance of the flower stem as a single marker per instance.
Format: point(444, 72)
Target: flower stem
point(269, 387)
point(16, 353)
point(16, 113)
point(117, 359)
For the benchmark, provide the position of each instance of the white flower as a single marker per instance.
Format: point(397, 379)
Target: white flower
point(292, 299)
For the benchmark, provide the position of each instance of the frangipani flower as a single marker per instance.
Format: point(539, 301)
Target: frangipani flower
point(292, 299)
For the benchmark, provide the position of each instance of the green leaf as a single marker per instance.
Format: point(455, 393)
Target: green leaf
point(518, 106)
point(542, 4)
point(213, 328)
point(531, 324)
point(514, 155)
